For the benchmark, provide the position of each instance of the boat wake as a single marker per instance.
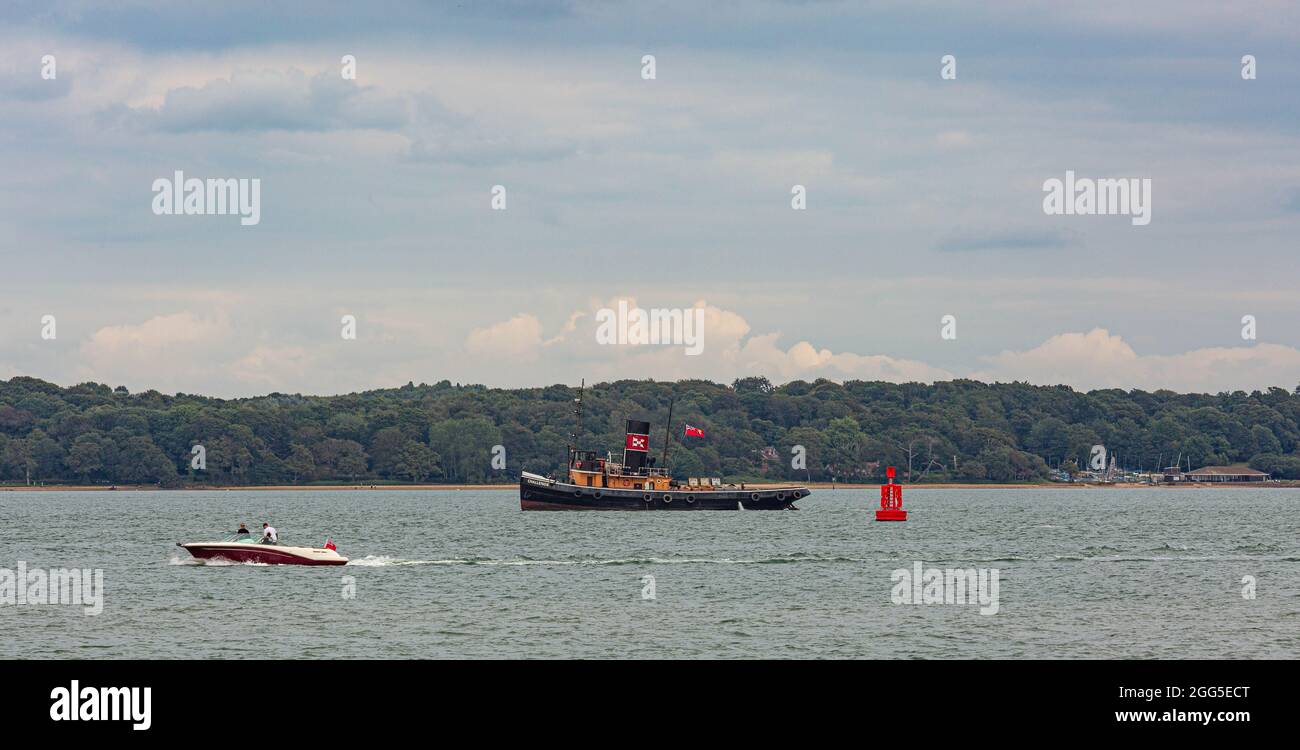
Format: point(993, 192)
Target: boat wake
point(380, 561)
point(384, 561)
point(214, 562)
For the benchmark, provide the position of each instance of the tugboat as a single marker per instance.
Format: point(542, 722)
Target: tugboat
point(635, 483)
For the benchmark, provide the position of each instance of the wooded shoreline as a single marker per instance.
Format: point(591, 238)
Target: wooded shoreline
point(957, 433)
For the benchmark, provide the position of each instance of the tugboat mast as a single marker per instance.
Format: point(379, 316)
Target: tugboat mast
point(577, 430)
point(668, 432)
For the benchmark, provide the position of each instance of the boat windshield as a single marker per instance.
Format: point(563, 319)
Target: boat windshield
point(247, 538)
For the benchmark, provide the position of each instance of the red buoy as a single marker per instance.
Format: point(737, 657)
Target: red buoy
point(891, 500)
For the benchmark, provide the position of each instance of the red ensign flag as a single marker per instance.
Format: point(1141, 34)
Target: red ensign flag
point(694, 431)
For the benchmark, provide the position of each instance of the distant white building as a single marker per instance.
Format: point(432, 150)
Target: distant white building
point(1225, 474)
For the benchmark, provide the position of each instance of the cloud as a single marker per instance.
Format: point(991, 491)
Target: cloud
point(256, 100)
point(803, 361)
point(1096, 359)
point(229, 351)
point(153, 336)
point(26, 85)
point(729, 351)
point(519, 338)
point(1049, 239)
point(275, 368)
point(924, 195)
point(252, 101)
point(165, 351)
point(1100, 359)
point(438, 134)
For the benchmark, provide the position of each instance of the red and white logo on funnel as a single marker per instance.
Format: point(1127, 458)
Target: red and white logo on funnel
point(638, 442)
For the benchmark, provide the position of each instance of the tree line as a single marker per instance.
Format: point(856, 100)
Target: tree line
point(960, 430)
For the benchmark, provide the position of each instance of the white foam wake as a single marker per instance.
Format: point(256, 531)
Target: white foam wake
point(215, 562)
point(378, 561)
point(382, 561)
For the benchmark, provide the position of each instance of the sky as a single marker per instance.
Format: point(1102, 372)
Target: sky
point(924, 194)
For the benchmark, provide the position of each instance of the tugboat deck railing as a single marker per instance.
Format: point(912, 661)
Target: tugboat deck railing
point(644, 471)
point(589, 463)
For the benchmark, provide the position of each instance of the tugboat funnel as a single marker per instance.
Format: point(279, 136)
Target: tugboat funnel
point(636, 446)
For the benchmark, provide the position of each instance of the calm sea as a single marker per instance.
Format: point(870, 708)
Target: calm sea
point(1082, 574)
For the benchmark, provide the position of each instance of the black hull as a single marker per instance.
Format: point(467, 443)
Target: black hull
point(544, 494)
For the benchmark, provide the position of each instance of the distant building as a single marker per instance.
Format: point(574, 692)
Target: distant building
point(1225, 474)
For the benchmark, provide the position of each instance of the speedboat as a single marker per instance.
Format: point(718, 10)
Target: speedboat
point(247, 549)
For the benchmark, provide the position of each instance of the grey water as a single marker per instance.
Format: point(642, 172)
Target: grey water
point(1084, 574)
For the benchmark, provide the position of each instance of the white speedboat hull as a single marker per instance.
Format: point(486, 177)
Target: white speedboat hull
point(270, 554)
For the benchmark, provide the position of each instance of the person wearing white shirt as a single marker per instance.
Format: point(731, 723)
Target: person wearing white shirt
point(268, 534)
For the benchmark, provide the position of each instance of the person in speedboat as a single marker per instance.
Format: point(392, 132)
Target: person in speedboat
point(268, 534)
point(243, 531)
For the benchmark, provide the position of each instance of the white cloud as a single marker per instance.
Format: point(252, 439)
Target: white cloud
point(263, 339)
point(166, 351)
point(1100, 359)
point(803, 361)
point(1096, 359)
point(281, 369)
point(269, 99)
point(729, 352)
point(519, 338)
point(154, 336)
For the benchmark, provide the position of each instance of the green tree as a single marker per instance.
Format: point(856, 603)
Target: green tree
point(341, 458)
point(47, 455)
point(958, 429)
point(386, 447)
point(18, 461)
point(465, 446)
point(86, 457)
point(143, 462)
point(300, 463)
point(416, 462)
point(1265, 440)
